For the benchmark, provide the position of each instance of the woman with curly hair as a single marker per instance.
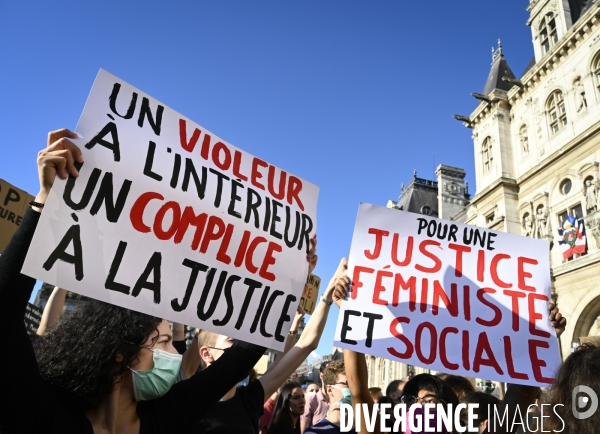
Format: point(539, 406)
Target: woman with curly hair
point(567, 397)
point(288, 409)
point(106, 368)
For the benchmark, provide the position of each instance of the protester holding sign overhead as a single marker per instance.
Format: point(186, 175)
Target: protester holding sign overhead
point(105, 368)
point(168, 219)
point(248, 401)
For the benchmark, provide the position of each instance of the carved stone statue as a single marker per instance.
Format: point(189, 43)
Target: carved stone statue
point(580, 92)
point(591, 200)
point(542, 223)
point(594, 226)
point(527, 225)
point(524, 141)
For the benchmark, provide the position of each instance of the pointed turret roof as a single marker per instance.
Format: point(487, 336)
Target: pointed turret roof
point(499, 69)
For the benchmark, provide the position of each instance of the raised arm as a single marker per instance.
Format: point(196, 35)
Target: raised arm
point(357, 377)
point(289, 343)
point(52, 311)
point(197, 395)
point(24, 380)
point(311, 335)
point(191, 358)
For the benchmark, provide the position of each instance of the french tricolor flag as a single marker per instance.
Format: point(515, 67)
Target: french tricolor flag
point(572, 237)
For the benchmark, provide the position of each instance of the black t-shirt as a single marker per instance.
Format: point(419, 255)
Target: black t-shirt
point(238, 415)
point(284, 427)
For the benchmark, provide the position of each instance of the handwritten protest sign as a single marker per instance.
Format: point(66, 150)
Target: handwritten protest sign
point(168, 219)
point(33, 316)
point(449, 297)
point(308, 300)
point(13, 203)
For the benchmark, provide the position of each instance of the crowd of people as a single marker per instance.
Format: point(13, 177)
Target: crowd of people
point(107, 369)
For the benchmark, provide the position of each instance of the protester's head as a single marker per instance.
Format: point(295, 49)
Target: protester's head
point(581, 368)
point(426, 388)
point(321, 370)
point(459, 385)
point(486, 403)
point(394, 390)
point(253, 375)
point(289, 406)
point(375, 393)
point(312, 388)
point(334, 381)
point(211, 346)
point(97, 347)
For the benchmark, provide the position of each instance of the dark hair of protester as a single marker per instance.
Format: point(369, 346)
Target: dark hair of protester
point(432, 383)
point(79, 355)
point(392, 387)
point(581, 368)
point(486, 403)
point(283, 421)
point(375, 391)
point(459, 384)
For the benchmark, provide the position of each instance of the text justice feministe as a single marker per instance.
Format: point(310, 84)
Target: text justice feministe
point(386, 287)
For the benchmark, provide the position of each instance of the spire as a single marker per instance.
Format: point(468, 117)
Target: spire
point(499, 69)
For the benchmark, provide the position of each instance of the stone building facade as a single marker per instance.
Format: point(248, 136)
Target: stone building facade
point(537, 159)
point(537, 151)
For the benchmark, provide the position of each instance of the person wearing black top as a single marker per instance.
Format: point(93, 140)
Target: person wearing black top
point(288, 409)
point(37, 395)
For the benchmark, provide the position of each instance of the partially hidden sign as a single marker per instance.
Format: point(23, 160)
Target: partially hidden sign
point(33, 316)
point(449, 297)
point(168, 219)
point(308, 301)
point(13, 204)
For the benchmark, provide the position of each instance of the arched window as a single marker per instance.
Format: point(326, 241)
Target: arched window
point(524, 139)
point(596, 70)
point(486, 154)
point(548, 35)
point(557, 113)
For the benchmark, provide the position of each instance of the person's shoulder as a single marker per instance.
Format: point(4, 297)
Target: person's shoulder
point(323, 426)
point(254, 389)
point(253, 397)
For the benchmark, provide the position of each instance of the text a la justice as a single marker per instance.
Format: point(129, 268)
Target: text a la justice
point(172, 221)
point(387, 288)
point(150, 279)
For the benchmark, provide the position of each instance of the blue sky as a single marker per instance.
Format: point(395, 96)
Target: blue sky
point(350, 95)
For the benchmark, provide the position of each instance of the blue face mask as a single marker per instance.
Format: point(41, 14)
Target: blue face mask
point(244, 382)
point(156, 382)
point(346, 396)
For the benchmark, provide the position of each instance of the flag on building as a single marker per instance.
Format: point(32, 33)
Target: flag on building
point(572, 237)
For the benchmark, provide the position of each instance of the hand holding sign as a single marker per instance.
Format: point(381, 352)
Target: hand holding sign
point(557, 320)
point(59, 157)
point(312, 257)
point(337, 290)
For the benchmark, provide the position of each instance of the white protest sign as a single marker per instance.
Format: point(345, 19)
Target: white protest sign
point(168, 219)
point(449, 297)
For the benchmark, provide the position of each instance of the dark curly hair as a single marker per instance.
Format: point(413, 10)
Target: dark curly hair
point(79, 356)
point(433, 383)
point(581, 368)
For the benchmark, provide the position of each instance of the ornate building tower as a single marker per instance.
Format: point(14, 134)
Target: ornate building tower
point(537, 151)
